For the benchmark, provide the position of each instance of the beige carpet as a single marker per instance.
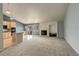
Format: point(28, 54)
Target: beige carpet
point(40, 46)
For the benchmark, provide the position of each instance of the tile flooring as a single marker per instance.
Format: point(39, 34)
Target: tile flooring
point(40, 46)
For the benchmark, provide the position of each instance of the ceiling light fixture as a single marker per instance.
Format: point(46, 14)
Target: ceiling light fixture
point(8, 9)
point(8, 12)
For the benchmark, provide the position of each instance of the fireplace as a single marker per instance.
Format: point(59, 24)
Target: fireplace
point(43, 32)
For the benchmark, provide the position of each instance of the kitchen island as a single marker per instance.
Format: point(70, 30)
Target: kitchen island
point(19, 37)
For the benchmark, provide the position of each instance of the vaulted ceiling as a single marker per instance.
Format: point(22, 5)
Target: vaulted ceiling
point(36, 12)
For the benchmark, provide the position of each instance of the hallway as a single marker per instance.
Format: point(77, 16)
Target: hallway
point(40, 46)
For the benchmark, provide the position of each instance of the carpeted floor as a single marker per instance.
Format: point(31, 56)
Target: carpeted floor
point(40, 46)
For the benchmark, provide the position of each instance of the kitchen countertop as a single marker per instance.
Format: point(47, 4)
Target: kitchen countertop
point(19, 32)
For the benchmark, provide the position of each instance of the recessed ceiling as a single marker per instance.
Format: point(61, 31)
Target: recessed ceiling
point(36, 12)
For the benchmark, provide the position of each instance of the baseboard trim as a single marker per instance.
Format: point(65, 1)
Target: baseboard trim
point(73, 47)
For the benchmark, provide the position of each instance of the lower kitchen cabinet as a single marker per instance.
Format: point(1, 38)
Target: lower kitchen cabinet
point(7, 42)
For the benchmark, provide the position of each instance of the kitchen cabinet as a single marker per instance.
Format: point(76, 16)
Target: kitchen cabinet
point(7, 23)
point(14, 38)
point(13, 24)
point(4, 23)
point(6, 35)
point(7, 42)
point(9, 37)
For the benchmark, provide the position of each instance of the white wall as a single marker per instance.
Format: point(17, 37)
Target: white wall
point(1, 22)
point(53, 27)
point(71, 25)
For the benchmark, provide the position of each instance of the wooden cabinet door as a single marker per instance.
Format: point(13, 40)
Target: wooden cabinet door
point(7, 42)
point(7, 39)
point(4, 22)
point(6, 35)
point(14, 39)
point(8, 24)
point(13, 24)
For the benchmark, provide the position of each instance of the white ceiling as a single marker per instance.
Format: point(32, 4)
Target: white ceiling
point(36, 13)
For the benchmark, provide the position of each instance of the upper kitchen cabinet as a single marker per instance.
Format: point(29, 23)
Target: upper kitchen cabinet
point(7, 23)
point(13, 24)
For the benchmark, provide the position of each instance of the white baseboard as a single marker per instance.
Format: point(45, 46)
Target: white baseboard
point(73, 47)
